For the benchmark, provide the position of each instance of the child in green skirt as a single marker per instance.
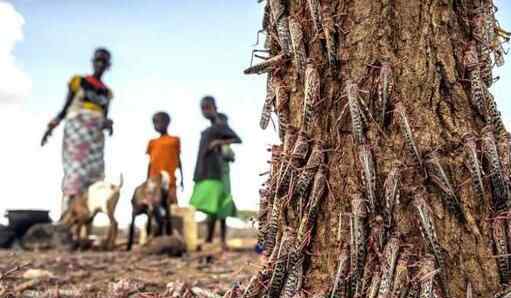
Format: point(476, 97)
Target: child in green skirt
point(211, 193)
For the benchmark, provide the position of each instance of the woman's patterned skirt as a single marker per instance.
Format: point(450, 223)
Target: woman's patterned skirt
point(82, 154)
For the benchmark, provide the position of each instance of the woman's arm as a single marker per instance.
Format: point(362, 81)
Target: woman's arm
point(62, 114)
point(109, 123)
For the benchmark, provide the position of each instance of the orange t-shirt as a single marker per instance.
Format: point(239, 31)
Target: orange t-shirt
point(164, 156)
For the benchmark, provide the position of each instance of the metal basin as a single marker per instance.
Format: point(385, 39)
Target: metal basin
point(6, 236)
point(21, 220)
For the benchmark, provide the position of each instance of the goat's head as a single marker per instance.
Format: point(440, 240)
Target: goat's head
point(152, 191)
point(76, 212)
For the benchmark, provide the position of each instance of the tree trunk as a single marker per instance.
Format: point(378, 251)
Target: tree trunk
point(393, 176)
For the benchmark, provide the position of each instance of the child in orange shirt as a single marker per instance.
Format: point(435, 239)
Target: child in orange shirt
point(165, 154)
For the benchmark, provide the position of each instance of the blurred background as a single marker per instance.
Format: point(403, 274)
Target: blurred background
point(166, 56)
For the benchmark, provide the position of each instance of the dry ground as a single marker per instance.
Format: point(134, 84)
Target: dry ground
point(101, 274)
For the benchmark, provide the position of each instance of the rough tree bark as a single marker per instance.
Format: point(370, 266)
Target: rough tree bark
point(387, 102)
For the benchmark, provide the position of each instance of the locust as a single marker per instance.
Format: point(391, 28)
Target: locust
point(275, 165)
point(358, 243)
point(476, 86)
point(268, 103)
point(268, 65)
point(355, 111)
point(500, 189)
point(256, 284)
point(429, 234)
point(499, 229)
point(366, 160)
point(316, 159)
point(494, 33)
point(480, 33)
point(439, 178)
point(469, 291)
point(290, 139)
point(273, 226)
point(377, 239)
point(281, 264)
point(406, 131)
point(391, 187)
point(266, 20)
point(498, 50)
point(504, 294)
point(413, 290)
point(280, 18)
point(385, 89)
point(294, 277)
point(493, 117)
point(282, 108)
point(504, 149)
point(318, 190)
point(262, 217)
point(390, 256)
point(312, 96)
point(329, 31)
point(340, 286)
point(427, 274)
point(298, 155)
point(315, 11)
point(374, 287)
point(401, 278)
point(298, 45)
point(472, 163)
point(284, 35)
point(234, 292)
point(371, 268)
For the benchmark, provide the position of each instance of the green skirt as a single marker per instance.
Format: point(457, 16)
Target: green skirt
point(210, 197)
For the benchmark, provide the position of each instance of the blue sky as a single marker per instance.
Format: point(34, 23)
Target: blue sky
point(166, 56)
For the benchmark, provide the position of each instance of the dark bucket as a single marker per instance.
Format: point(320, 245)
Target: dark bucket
point(6, 237)
point(21, 220)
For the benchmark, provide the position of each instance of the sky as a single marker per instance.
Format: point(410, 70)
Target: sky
point(166, 56)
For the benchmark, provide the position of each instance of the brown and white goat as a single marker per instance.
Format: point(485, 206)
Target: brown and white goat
point(149, 198)
point(102, 197)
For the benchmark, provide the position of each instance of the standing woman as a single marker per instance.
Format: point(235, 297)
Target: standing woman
point(86, 114)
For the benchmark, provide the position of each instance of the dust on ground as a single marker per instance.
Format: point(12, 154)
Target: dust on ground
point(99, 274)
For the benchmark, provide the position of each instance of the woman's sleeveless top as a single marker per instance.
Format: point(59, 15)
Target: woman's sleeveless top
point(89, 96)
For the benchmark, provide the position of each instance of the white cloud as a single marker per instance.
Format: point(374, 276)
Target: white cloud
point(15, 84)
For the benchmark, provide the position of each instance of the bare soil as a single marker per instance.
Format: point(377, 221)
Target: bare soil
point(101, 274)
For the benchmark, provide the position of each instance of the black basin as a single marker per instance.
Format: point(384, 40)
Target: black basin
point(21, 220)
point(6, 236)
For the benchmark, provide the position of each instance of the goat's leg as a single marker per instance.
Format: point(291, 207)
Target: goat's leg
point(159, 221)
point(149, 224)
point(168, 218)
point(79, 228)
point(113, 229)
point(112, 233)
point(132, 231)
